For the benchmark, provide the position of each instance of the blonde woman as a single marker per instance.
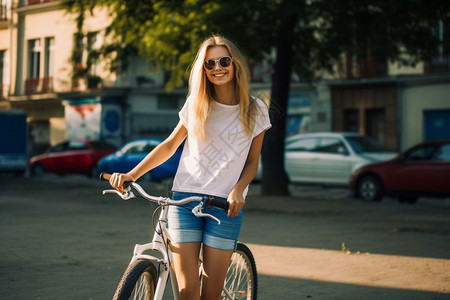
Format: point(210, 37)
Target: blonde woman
point(224, 129)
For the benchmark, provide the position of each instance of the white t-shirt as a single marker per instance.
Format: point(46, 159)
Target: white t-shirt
point(213, 166)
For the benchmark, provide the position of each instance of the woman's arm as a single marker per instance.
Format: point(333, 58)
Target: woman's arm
point(236, 197)
point(155, 158)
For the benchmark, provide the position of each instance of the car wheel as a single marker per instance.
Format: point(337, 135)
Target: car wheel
point(38, 170)
point(369, 189)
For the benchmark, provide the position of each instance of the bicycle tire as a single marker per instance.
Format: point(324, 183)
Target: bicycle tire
point(241, 281)
point(138, 281)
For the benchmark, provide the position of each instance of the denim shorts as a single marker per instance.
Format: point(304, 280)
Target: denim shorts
point(185, 227)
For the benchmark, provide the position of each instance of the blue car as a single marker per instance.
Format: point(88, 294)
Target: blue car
point(127, 157)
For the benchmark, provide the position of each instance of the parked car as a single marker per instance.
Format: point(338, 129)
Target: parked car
point(132, 153)
point(77, 156)
point(329, 158)
point(423, 170)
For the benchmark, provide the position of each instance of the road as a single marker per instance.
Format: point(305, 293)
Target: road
point(61, 239)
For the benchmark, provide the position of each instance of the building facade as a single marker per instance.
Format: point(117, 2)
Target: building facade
point(397, 106)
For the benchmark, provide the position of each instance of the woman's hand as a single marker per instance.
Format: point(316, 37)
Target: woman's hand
point(118, 180)
point(236, 201)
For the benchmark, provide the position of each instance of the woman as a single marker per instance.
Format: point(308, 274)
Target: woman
point(224, 129)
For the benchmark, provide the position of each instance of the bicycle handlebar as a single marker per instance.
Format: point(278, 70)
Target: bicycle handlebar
point(208, 201)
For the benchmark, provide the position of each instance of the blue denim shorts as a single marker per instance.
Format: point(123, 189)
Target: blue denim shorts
point(185, 227)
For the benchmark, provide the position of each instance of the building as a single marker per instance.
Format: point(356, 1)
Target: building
point(397, 106)
point(36, 49)
point(397, 111)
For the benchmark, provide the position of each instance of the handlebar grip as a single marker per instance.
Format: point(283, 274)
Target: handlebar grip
point(218, 203)
point(104, 176)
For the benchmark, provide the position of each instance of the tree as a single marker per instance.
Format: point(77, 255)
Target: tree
point(309, 38)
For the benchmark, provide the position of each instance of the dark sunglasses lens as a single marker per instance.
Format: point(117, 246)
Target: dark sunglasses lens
point(210, 64)
point(225, 61)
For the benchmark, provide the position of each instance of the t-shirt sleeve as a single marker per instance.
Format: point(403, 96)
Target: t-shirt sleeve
point(262, 122)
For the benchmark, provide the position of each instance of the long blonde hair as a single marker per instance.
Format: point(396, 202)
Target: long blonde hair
point(201, 90)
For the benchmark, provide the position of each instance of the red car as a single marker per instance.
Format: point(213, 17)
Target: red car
point(423, 170)
point(73, 156)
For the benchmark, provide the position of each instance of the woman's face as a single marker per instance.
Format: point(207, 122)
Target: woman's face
point(219, 75)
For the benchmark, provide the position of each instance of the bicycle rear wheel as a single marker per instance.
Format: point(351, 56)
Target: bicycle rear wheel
point(241, 281)
point(138, 282)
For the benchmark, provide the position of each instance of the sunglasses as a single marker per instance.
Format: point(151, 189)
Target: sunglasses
point(224, 62)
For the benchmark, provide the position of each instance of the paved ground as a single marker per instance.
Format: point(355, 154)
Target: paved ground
point(60, 239)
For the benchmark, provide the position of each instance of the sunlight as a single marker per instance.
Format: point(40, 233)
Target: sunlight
point(386, 271)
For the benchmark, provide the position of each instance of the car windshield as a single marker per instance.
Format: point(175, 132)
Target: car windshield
point(363, 144)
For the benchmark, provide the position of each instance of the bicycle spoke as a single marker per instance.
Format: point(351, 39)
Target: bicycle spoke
point(141, 289)
point(238, 282)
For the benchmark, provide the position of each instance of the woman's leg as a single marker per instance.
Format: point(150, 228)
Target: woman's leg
point(186, 265)
point(215, 266)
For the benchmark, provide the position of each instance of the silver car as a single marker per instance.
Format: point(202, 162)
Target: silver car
point(330, 158)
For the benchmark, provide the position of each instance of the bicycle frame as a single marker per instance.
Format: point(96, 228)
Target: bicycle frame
point(159, 244)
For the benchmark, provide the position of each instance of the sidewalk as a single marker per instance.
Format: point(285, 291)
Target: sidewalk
point(326, 245)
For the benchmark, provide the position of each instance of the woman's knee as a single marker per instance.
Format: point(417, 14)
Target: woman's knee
point(190, 292)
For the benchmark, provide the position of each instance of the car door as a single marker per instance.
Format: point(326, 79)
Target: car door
point(299, 160)
point(54, 162)
point(77, 158)
point(332, 161)
point(440, 166)
point(415, 171)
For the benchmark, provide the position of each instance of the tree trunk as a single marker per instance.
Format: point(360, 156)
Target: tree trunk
point(274, 179)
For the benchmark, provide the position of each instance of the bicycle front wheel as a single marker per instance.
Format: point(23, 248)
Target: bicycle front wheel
point(241, 280)
point(138, 282)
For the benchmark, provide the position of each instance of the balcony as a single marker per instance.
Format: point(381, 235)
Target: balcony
point(38, 85)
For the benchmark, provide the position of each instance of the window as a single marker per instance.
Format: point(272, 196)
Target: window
point(34, 58)
point(308, 144)
point(443, 153)
point(49, 57)
point(49, 64)
point(134, 148)
point(362, 144)
point(351, 120)
point(375, 124)
point(331, 145)
point(60, 147)
point(3, 11)
point(76, 145)
point(93, 43)
point(441, 60)
point(422, 153)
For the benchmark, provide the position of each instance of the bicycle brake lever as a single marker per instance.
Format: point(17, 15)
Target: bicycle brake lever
point(128, 194)
point(197, 211)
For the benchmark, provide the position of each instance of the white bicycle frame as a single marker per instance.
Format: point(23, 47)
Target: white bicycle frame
point(161, 238)
point(158, 244)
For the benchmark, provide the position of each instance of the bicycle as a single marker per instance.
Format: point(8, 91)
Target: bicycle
point(146, 275)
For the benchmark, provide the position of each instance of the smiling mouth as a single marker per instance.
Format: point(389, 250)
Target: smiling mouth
point(219, 75)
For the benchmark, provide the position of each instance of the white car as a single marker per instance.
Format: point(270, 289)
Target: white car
point(329, 158)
